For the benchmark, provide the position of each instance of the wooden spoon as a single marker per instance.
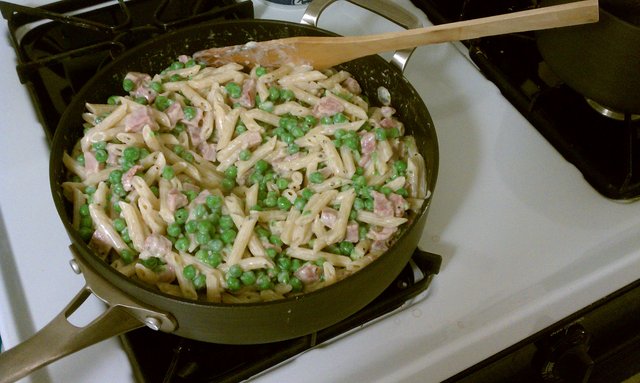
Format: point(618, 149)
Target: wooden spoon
point(325, 52)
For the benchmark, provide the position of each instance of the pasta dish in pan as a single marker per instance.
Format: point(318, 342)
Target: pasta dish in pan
point(235, 185)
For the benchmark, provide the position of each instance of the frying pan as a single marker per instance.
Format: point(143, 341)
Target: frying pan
point(132, 304)
point(601, 60)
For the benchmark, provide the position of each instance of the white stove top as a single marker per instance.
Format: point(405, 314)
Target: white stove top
point(525, 240)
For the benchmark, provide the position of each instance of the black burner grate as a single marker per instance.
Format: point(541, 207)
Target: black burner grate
point(160, 357)
point(605, 150)
point(60, 46)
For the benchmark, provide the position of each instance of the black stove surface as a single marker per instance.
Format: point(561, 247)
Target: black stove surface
point(160, 357)
point(605, 150)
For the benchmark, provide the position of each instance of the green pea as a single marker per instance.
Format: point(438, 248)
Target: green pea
point(141, 100)
point(113, 100)
point(119, 224)
point(299, 203)
point(228, 236)
point(228, 184)
point(84, 210)
point(118, 189)
point(310, 120)
point(293, 149)
point(339, 118)
point(394, 132)
point(181, 215)
point(316, 178)
point(176, 65)
point(226, 222)
point(80, 159)
point(400, 166)
point(231, 172)
point(131, 153)
point(162, 103)
point(233, 89)
point(86, 222)
point(283, 203)
point(386, 190)
point(214, 259)
point(191, 226)
point(245, 154)
point(125, 235)
point(214, 201)
point(189, 113)
point(86, 233)
point(274, 239)
point(233, 284)
point(381, 134)
point(358, 204)
point(235, 271)
point(286, 95)
point(267, 106)
point(307, 193)
point(168, 173)
point(368, 204)
point(199, 281)
point(261, 71)
point(128, 85)
point(248, 278)
point(174, 229)
point(179, 128)
point(200, 210)
point(191, 194)
point(402, 192)
point(127, 256)
point(271, 252)
point(284, 263)
point(175, 77)
point(101, 156)
point(284, 277)
point(182, 244)
point(282, 183)
point(240, 128)
point(274, 93)
point(287, 138)
point(362, 232)
point(261, 166)
point(326, 120)
point(202, 238)
point(297, 132)
point(188, 156)
point(296, 284)
point(263, 282)
point(156, 86)
point(215, 245)
point(189, 272)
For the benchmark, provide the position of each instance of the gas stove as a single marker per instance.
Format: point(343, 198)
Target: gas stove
point(525, 239)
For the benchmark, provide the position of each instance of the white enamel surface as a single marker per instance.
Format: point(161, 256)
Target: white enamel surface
point(525, 240)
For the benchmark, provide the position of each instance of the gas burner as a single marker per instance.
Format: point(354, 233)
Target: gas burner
point(61, 45)
point(605, 150)
point(607, 112)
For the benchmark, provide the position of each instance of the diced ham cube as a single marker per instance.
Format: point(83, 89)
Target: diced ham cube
point(247, 98)
point(381, 233)
point(127, 177)
point(91, 165)
point(308, 273)
point(329, 217)
point(176, 200)
point(175, 113)
point(156, 245)
point(327, 106)
point(352, 85)
point(353, 234)
point(208, 151)
point(368, 143)
point(400, 205)
point(136, 120)
point(381, 205)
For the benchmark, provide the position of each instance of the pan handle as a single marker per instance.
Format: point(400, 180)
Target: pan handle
point(60, 337)
point(385, 9)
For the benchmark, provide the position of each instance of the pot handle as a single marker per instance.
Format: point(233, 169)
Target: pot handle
point(385, 9)
point(60, 337)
